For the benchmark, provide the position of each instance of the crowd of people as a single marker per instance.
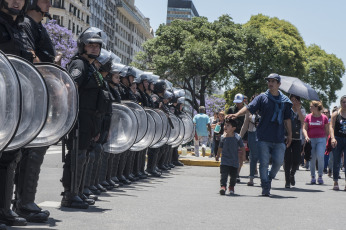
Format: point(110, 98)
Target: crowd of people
point(277, 132)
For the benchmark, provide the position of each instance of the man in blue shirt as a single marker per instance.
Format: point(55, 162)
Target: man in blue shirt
point(203, 130)
point(275, 110)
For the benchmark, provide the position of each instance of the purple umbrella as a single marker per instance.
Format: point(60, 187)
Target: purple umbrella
point(297, 87)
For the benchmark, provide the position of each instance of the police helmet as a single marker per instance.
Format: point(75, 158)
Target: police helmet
point(105, 59)
point(22, 12)
point(88, 37)
point(159, 86)
point(143, 77)
point(181, 100)
point(103, 35)
point(32, 5)
point(168, 95)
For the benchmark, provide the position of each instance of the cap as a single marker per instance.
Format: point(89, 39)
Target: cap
point(274, 76)
point(238, 98)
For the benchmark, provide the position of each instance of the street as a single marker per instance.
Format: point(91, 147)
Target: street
point(188, 198)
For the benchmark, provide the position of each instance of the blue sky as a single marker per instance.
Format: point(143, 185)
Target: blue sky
point(319, 22)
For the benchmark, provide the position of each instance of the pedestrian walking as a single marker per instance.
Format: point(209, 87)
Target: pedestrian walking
point(203, 130)
point(229, 144)
point(275, 111)
point(316, 131)
point(338, 139)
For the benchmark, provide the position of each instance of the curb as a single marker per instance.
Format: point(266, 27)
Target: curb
point(200, 163)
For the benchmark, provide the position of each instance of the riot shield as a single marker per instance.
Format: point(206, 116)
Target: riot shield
point(180, 137)
point(142, 119)
point(63, 105)
point(35, 103)
point(158, 126)
point(166, 129)
point(189, 127)
point(149, 136)
point(175, 130)
point(10, 101)
point(123, 129)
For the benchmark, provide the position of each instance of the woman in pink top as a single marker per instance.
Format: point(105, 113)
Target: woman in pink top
point(316, 131)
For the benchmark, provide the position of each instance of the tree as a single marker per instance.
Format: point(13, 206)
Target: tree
point(271, 46)
point(63, 41)
point(324, 72)
point(275, 46)
point(196, 51)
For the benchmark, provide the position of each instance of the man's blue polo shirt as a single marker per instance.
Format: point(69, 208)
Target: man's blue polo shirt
point(267, 130)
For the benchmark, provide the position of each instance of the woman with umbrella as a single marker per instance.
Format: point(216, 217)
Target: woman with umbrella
point(292, 153)
point(316, 131)
point(338, 139)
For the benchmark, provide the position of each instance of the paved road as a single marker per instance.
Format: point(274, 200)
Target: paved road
point(187, 198)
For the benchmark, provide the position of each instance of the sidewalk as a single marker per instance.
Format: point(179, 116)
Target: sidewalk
point(190, 159)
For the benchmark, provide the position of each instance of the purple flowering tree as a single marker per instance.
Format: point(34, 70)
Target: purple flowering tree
point(63, 41)
point(213, 103)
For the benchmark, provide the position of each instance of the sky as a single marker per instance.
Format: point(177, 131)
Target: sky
point(319, 22)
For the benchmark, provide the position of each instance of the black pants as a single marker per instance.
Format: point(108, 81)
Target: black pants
point(292, 159)
point(226, 170)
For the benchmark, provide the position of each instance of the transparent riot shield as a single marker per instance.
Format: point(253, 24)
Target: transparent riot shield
point(141, 117)
point(166, 129)
point(158, 126)
point(63, 105)
point(123, 130)
point(189, 127)
point(10, 101)
point(34, 102)
point(180, 137)
point(149, 136)
point(175, 130)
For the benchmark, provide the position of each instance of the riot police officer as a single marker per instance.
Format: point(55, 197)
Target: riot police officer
point(39, 40)
point(127, 77)
point(28, 169)
point(90, 83)
point(178, 105)
point(13, 40)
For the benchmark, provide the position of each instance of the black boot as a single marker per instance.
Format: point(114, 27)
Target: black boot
point(103, 172)
point(128, 165)
point(71, 199)
point(142, 166)
point(151, 166)
point(121, 168)
point(116, 159)
point(98, 151)
point(28, 171)
point(89, 168)
point(175, 157)
point(3, 227)
point(8, 164)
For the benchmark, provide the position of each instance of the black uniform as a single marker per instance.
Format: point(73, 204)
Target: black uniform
point(39, 40)
point(12, 41)
point(28, 169)
point(91, 107)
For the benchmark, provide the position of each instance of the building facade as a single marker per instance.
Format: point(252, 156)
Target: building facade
point(180, 9)
point(126, 27)
point(72, 14)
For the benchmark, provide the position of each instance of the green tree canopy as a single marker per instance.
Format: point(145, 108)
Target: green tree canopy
point(194, 51)
point(275, 46)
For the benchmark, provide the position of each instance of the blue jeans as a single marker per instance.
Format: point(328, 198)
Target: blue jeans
point(277, 153)
point(340, 147)
point(318, 145)
point(252, 142)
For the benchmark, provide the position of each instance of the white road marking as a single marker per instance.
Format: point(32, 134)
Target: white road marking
point(50, 204)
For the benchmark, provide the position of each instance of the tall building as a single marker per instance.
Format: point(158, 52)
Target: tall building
point(72, 14)
point(180, 9)
point(126, 27)
point(132, 29)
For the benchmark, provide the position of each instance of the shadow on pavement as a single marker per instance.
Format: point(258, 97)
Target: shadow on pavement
point(91, 208)
point(295, 189)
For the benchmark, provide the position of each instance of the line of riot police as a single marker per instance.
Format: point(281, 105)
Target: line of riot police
point(111, 127)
